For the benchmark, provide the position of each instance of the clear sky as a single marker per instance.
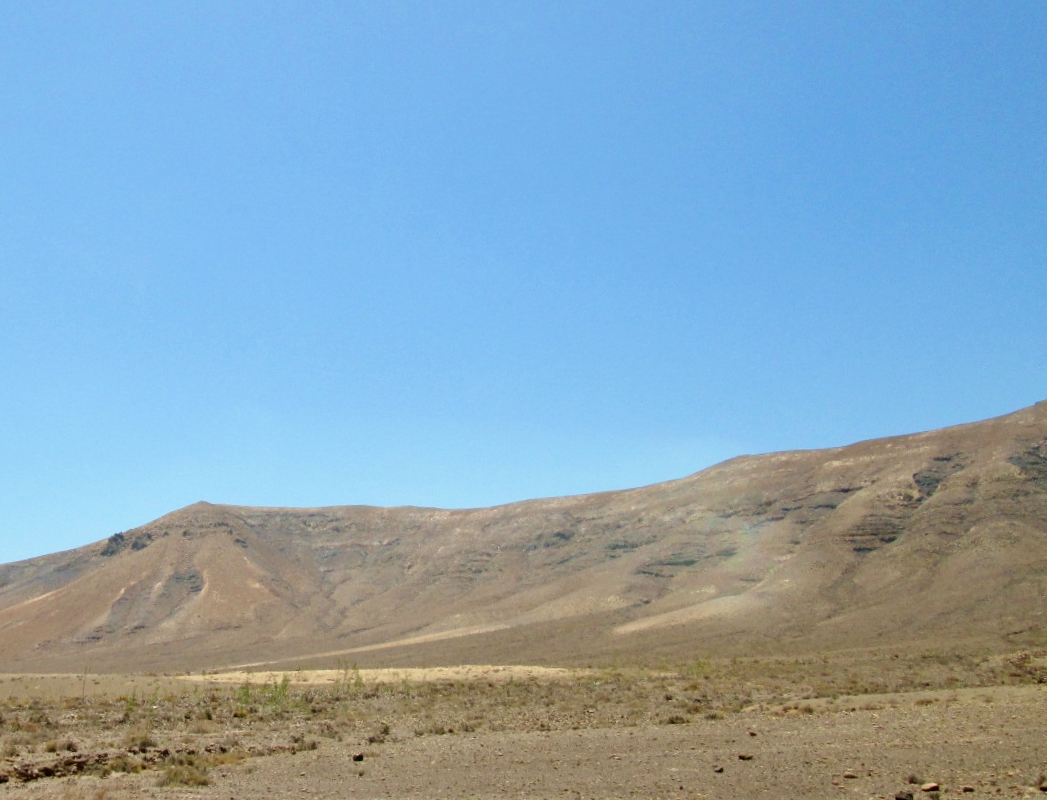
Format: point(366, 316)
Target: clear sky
point(465, 253)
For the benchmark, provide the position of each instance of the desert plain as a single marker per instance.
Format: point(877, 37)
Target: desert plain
point(869, 725)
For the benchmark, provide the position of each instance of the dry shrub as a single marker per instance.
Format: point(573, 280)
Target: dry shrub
point(123, 763)
point(184, 770)
point(139, 739)
point(183, 775)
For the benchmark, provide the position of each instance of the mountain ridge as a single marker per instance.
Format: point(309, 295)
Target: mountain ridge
point(936, 534)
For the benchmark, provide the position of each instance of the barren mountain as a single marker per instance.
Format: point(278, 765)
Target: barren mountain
point(938, 535)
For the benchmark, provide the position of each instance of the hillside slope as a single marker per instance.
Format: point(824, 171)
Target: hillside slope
point(940, 534)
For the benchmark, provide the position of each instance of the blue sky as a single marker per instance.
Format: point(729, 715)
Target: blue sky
point(464, 253)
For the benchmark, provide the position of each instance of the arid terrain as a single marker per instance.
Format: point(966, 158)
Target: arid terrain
point(861, 622)
point(854, 725)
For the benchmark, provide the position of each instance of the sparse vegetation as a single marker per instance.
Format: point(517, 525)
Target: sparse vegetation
point(183, 734)
point(184, 770)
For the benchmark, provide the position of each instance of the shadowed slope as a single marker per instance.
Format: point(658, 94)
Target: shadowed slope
point(941, 533)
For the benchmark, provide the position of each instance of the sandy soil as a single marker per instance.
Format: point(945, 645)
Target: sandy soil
point(51, 687)
point(469, 672)
point(974, 743)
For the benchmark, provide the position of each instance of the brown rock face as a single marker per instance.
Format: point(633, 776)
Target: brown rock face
point(940, 534)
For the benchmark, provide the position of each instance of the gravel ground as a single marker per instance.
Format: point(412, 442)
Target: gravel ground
point(973, 743)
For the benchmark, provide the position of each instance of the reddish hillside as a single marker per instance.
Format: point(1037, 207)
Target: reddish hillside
point(940, 534)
